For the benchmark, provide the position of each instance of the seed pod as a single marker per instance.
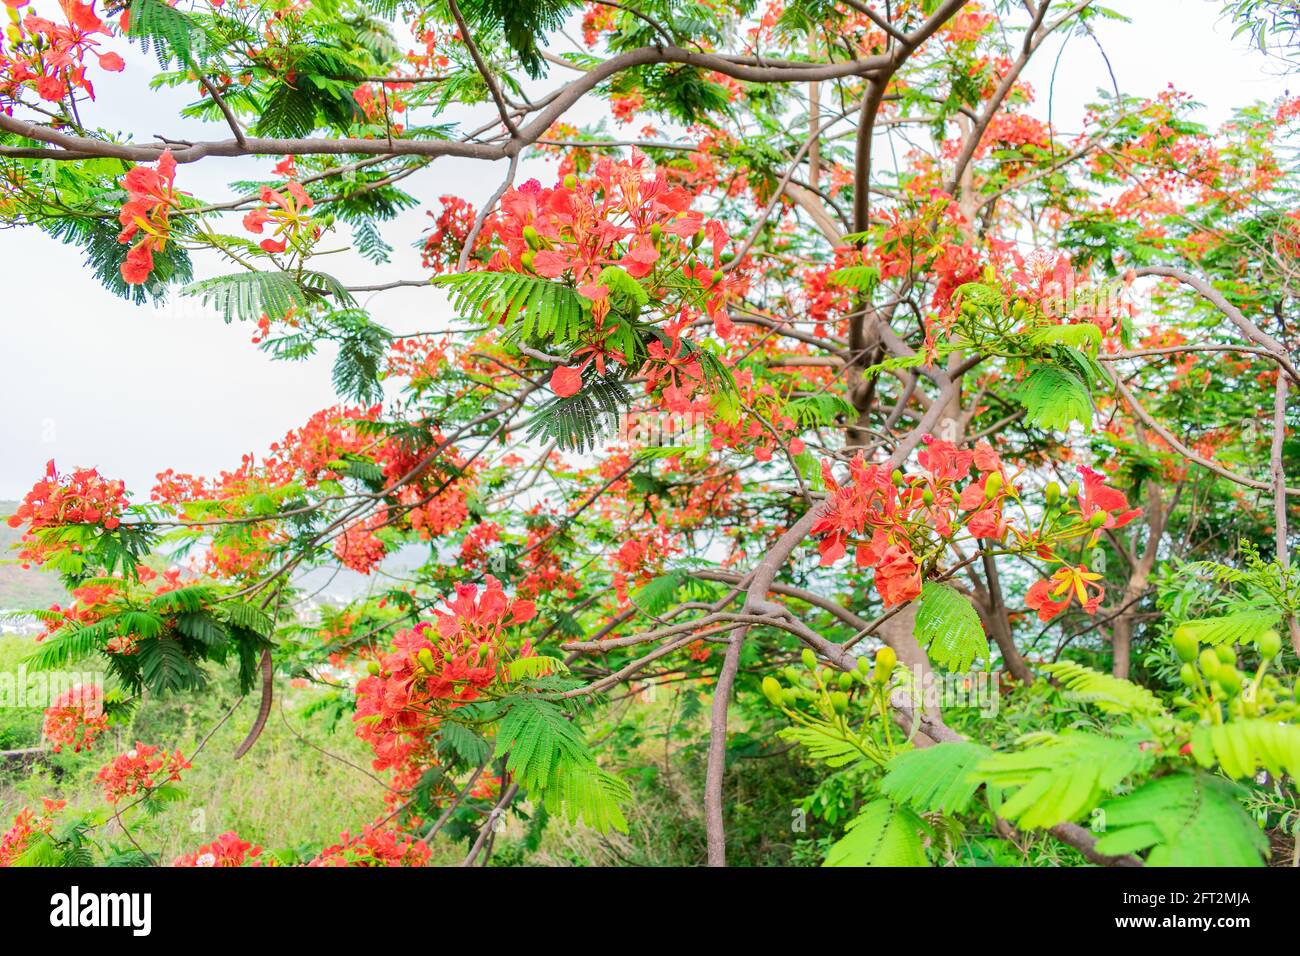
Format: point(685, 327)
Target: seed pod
point(1185, 645)
point(1270, 644)
point(809, 659)
point(839, 701)
point(772, 691)
point(885, 661)
point(1052, 493)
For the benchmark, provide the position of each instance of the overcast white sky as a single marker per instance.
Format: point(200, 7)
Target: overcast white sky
point(89, 379)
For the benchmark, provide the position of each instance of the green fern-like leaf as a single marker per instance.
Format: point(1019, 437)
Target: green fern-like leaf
point(1185, 819)
point(834, 751)
point(71, 643)
point(547, 755)
point(171, 33)
point(948, 624)
point(821, 409)
point(190, 598)
point(1243, 746)
point(529, 306)
point(1059, 778)
point(1242, 627)
point(1053, 397)
point(881, 835)
point(658, 594)
point(935, 779)
point(576, 423)
point(246, 296)
point(1109, 694)
point(164, 666)
point(1082, 335)
point(856, 277)
point(588, 794)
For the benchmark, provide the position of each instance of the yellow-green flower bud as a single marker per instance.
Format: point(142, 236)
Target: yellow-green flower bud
point(885, 661)
point(772, 691)
point(1185, 644)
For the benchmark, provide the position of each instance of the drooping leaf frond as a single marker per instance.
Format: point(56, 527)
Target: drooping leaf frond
point(881, 835)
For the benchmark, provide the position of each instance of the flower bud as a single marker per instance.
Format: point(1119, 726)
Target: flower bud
point(772, 691)
point(1185, 645)
point(1052, 493)
point(1209, 662)
point(1073, 490)
point(1188, 675)
point(374, 668)
point(1270, 644)
point(885, 661)
point(1226, 654)
point(840, 702)
point(1229, 678)
point(809, 659)
point(897, 478)
point(1097, 520)
point(425, 658)
point(532, 237)
point(992, 485)
point(570, 181)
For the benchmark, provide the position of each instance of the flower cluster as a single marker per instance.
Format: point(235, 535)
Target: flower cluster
point(76, 718)
point(151, 197)
point(622, 222)
point(887, 513)
point(82, 497)
point(374, 846)
point(431, 668)
point(50, 57)
point(25, 826)
point(139, 769)
point(226, 850)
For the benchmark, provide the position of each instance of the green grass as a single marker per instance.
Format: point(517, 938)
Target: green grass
point(287, 794)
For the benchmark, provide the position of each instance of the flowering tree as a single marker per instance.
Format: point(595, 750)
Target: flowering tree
point(830, 374)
